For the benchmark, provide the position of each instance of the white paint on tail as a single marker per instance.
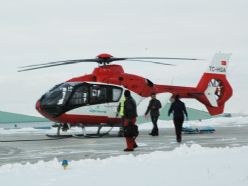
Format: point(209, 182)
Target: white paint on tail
point(210, 94)
point(219, 63)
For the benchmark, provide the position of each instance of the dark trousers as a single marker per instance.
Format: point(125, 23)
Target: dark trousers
point(121, 130)
point(155, 125)
point(178, 122)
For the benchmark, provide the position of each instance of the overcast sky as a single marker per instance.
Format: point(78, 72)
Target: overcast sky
point(41, 31)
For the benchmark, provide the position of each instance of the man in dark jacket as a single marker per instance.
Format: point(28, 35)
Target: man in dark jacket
point(153, 108)
point(178, 108)
point(130, 114)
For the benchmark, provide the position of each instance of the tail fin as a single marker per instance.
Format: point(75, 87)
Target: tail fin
point(214, 84)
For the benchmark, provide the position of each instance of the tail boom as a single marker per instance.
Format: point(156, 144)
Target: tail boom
point(213, 89)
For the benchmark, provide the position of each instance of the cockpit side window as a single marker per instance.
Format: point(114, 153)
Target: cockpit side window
point(80, 96)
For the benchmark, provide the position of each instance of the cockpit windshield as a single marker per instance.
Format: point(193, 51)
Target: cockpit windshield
point(57, 95)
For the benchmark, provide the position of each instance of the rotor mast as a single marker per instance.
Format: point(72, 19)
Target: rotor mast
point(104, 59)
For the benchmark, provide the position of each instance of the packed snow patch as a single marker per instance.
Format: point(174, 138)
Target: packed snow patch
point(186, 165)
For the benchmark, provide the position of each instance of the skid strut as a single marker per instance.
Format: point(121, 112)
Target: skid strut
point(65, 127)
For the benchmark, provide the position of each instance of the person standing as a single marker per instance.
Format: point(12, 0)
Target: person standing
point(153, 108)
point(130, 114)
point(179, 110)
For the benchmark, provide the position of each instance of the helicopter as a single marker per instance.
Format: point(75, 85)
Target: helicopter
point(92, 99)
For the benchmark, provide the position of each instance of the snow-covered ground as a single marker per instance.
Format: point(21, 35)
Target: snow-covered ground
point(185, 165)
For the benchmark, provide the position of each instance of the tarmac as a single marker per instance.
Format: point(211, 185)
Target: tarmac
point(73, 148)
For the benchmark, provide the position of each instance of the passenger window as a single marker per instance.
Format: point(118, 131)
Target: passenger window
point(98, 94)
point(92, 94)
point(116, 94)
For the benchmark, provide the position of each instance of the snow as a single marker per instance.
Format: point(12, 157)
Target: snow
point(185, 165)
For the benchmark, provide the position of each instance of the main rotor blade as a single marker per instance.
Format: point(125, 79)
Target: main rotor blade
point(53, 65)
point(99, 60)
point(155, 62)
point(59, 62)
point(170, 58)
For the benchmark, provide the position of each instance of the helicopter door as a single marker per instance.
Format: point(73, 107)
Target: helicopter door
point(98, 100)
point(104, 99)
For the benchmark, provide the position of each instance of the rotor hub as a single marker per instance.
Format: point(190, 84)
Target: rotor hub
point(104, 56)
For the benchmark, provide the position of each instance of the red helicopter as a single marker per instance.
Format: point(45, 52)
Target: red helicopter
point(92, 99)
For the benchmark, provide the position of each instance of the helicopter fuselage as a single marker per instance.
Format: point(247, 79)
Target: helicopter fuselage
point(93, 99)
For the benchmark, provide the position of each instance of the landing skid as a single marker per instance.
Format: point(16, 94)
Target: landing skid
point(91, 135)
point(58, 136)
point(98, 134)
point(84, 134)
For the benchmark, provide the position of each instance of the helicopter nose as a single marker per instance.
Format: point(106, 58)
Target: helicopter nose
point(37, 106)
point(41, 110)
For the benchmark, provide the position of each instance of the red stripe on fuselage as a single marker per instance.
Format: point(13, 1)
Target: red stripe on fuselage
point(86, 119)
